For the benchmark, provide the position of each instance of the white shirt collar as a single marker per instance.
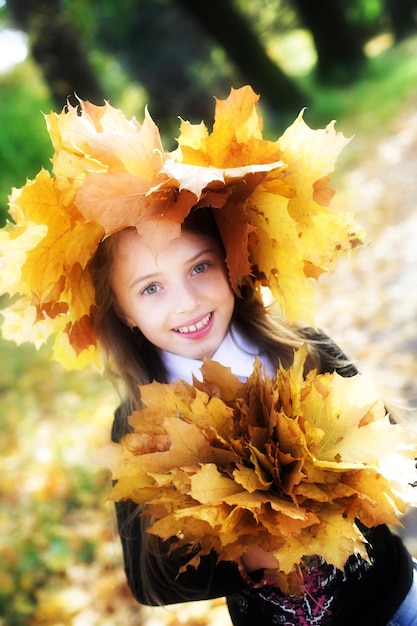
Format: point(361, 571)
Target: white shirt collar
point(235, 352)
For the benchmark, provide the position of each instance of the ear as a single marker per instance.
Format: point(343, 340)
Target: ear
point(129, 322)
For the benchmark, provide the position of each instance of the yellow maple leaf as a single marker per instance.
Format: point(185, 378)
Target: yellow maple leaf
point(218, 381)
point(338, 411)
point(18, 241)
point(236, 139)
point(49, 274)
point(209, 486)
point(99, 139)
point(334, 539)
point(250, 479)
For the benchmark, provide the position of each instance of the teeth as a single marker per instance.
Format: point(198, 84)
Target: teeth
point(194, 327)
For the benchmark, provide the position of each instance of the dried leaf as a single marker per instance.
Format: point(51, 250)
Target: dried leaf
point(209, 486)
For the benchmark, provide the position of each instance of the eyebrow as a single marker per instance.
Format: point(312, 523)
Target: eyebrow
point(147, 277)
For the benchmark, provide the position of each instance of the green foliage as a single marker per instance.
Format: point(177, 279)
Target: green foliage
point(272, 19)
point(387, 82)
point(24, 143)
point(88, 16)
point(269, 19)
point(367, 16)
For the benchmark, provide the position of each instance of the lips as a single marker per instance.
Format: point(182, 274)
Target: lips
point(193, 328)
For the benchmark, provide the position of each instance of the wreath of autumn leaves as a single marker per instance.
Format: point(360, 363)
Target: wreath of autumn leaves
point(270, 200)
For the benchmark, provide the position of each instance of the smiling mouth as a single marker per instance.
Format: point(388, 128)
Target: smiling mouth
point(183, 330)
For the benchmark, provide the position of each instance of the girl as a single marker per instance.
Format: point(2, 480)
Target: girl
point(159, 258)
point(159, 316)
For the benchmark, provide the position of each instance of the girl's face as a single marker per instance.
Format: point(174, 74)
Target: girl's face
point(181, 299)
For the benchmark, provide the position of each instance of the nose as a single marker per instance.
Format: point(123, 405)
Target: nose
point(186, 297)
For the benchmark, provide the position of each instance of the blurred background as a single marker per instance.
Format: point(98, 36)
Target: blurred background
point(354, 61)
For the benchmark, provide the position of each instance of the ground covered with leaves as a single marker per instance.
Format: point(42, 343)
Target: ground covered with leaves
point(60, 561)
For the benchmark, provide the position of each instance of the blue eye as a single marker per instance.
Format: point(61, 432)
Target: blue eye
point(200, 268)
point(150, 289)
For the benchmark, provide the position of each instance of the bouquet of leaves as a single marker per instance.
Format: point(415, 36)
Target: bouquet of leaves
point(288, 464)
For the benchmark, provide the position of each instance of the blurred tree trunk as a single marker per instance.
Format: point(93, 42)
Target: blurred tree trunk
point(161, 47)
point(402, 16)
point(338, 46)
point(229, 28)
point(56, 47)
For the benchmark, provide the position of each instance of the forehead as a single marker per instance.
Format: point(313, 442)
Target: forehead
point(133, 252)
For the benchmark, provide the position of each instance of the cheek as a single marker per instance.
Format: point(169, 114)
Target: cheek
point(230, 304)
point(226, 296)
point(137, 313)
point(226, 287)
point(150, 327)
point(146, 316)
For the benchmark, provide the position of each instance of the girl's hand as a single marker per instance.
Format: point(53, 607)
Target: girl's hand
point(255, 558)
